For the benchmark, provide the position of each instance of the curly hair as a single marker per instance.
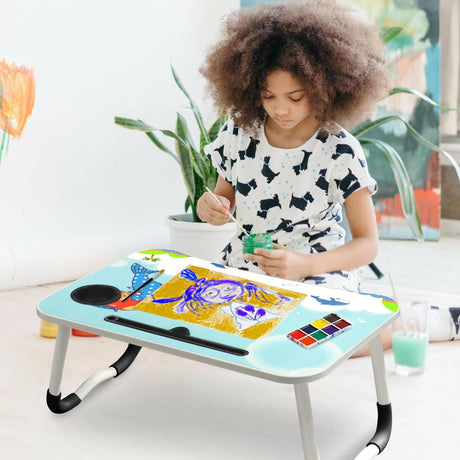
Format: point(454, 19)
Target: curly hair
point(337, 55)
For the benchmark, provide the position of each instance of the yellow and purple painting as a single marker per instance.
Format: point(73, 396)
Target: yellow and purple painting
point(223, 302)
point(17, 98)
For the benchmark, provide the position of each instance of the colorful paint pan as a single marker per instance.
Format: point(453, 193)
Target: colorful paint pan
point(319, 330)
point(296, 335)
point(308, 329)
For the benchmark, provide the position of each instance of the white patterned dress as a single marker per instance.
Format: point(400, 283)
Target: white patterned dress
point(294, 194)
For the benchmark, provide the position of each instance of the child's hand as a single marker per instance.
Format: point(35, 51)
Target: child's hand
point(287, 264)
point(210, 210)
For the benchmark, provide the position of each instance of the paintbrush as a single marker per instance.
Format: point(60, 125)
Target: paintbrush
point(404, 325)
point(231, 217)
point(154, 277)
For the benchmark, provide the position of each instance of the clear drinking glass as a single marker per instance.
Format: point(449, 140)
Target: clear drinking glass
point(410, 342)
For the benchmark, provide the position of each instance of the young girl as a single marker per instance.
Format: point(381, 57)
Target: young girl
point(293, 77)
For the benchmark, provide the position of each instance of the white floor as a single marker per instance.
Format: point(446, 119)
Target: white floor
point(169, 408)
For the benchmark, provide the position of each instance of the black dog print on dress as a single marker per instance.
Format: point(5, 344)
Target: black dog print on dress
point(267, 204)
point(267, 172)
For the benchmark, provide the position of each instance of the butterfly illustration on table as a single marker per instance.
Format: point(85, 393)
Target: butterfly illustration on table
point(141, 276)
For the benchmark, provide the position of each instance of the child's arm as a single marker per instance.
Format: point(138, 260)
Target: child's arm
point(361, 250)
point(208, 208)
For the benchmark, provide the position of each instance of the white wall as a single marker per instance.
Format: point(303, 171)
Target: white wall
point(76, 190)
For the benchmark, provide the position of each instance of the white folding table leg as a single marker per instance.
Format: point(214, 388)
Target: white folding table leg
point(60, 405)
point(305, 414)
point(378, 366)
point(60, 351)
point(384, 417)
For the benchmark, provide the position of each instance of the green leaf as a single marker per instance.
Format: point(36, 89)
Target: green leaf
point(188, 203)
point(139, 125)
point(193, 106)
point(199, 164)
point(203, 143)
point(185, 155)
point(403, 183)
point(160, 145)
point(388, 33)
point(368, 126)
point(184, 131)
point(217, 126)
point(199, 184)
point(420, 95)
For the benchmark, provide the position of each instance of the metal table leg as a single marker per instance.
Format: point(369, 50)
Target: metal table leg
point(60, 351)
point(53, 397)
point(305, 414)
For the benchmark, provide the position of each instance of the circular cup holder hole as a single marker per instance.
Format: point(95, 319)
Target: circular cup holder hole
point(96, 294)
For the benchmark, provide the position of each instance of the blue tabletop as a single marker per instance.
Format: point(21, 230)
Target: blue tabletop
point(250, 313)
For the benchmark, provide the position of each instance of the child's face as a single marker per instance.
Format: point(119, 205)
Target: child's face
point(285, 100)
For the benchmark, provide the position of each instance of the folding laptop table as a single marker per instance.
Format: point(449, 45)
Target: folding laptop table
point(229, 318)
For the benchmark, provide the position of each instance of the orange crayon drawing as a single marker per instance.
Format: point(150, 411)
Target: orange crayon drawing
point(17, 98)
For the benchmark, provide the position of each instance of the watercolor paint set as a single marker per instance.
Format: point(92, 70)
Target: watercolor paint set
point(319, 330)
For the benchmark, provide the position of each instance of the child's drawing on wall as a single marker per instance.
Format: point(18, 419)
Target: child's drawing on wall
point(17, 98)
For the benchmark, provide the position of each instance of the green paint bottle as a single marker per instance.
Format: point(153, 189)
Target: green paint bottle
point(256, 240)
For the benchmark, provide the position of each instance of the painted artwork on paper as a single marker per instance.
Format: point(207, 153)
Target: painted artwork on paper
point(217, 300)
point(414, 57)
point(17, 98)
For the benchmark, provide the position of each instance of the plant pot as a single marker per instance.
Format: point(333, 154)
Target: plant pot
point(198, 239)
